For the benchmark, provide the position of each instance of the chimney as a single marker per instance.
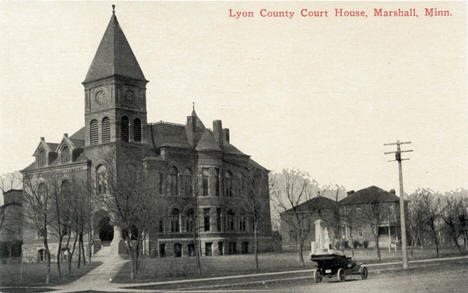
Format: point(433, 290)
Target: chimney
point(42, 138)
point(218, 132)
point(392, 191)
point(65, 134)
point(226, 135)
point(349, 192)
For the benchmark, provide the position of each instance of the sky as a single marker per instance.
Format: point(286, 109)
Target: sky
point(318, 94)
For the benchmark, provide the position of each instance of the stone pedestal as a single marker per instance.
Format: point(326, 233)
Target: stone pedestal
point(117, 241)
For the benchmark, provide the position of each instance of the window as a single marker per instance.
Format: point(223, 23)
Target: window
point(206, 219)
point(245, 247)
point(216, 181)
point(177, 250)
point(205, 175)
point(101, 187)
point(221, 247)
point(42, 192)
point(175, 221)
point(228, 184)
point(41, 158)
point(162, 249)
point(124, 129)
point(191, 249)
point(218, 219)
point(93, 132)
point(243, 223)
point(187, 183)
point(173, 181)
point(105, 130)
point(190, 219)
point(65, 154)
point(230, 220)
point(232, 248)
point(137, 130)
point(160, 183)
point(65, 189)
point(208, 249)
point(161, 226)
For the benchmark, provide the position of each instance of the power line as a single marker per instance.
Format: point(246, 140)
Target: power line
point(398, 158)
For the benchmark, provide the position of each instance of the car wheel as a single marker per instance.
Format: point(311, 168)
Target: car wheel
point(364, 273)
point(317, 277)
point(341, 275)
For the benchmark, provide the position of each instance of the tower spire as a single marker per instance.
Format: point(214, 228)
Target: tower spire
point(113, 9)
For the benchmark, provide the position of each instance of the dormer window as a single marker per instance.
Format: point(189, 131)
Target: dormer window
point(65, 154)
point(41, 158)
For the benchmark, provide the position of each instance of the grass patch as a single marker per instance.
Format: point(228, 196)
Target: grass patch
point(171, 268)
point(33, 274)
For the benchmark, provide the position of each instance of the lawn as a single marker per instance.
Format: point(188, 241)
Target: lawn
point(33, 274)
point(170, 268)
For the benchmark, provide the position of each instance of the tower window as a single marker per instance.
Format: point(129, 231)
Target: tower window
point(205, 175)
point(93, 132)
point(174, 181)
point(101, 187)
point(105, 129)
point(137, 130)
point(124, 129)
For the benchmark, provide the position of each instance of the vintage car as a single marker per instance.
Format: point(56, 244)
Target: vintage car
point(331, 265)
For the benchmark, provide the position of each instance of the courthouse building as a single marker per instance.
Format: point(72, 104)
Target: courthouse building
point(115, 125)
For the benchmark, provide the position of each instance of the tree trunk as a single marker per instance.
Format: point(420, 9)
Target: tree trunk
point(83, 254)
point(46, 245)
point(377, 245)
point(256, 245)
point(59, 253)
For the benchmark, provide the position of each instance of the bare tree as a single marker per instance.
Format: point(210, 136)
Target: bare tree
point(289, 189)
point(37, 200)
point(349, 217)
point(373, 213)
point(253, 198)
point(430, 206)
point(415, 221)
point(130, 199)
point(8, 181)
point(454, 213)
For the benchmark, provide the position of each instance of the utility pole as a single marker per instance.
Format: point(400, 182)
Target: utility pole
point(398, 158)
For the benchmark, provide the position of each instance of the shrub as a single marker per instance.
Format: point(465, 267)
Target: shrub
point(365, 243)
point(356, 244)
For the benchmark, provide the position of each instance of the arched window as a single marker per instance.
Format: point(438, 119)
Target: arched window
point(187, 183)
point(101, 187)
point(228, 184)
point(174, 219)
point(41, 158)
point(65, 188)
point(137, 130)
point(93, 132)
point(205, 176)
point(105, 129)
point(124, 128)
point(243, 223)
point(65, 154)
point(173, 181)
point(190, 220)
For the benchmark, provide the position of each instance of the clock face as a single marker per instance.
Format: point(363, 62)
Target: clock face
point(101, 97)
point(129, 97)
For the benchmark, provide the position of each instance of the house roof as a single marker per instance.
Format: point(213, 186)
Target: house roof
point(114, 56)
point(207, 142)
point(80, 134)
point(369, 195)
point(169, 135)
point(316, 203)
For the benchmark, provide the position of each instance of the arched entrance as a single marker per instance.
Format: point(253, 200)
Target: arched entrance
point(106, 231)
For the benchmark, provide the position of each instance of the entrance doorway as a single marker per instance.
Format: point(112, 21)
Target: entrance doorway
point(106, 231)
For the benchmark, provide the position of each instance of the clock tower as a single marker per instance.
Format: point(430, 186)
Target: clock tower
point(115, 92)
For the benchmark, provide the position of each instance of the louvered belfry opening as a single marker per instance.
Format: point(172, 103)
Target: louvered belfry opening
point(137, 130)
point(93, 133)
point(124, 129)
point(105, 130)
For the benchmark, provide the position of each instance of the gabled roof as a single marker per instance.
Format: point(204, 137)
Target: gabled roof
point(114, 56)
point(316, 203)
point(80, 134)
point(169, 135)
point(230, 149)
point(207, 142)
point(370, 194)
point(48, 146)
